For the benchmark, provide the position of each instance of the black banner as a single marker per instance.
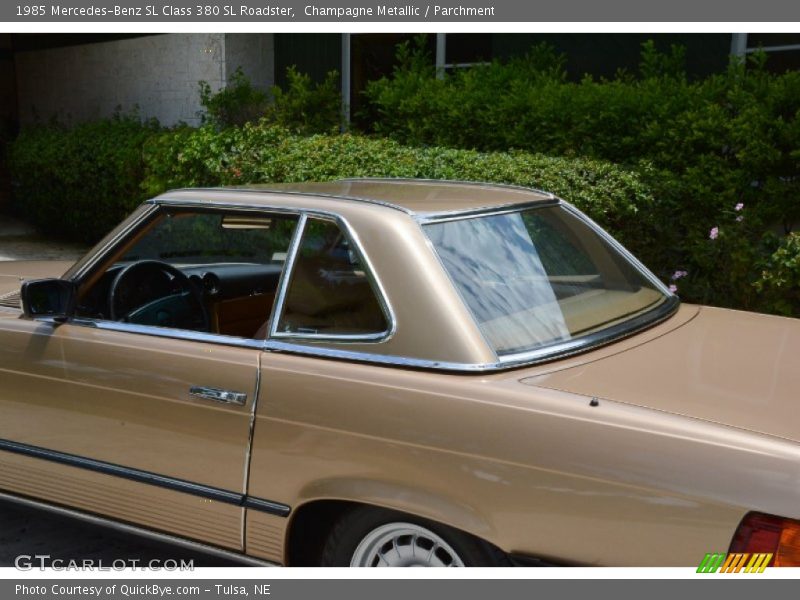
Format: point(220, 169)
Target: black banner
point(396, 589)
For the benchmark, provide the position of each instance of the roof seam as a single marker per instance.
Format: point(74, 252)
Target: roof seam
point(502, 186)
point(291, 193)
point(367, 200)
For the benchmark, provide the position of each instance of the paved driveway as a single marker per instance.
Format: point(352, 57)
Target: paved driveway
point(19, 241)
point(27, 531)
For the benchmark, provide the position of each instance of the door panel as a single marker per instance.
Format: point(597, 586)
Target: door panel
point(122, 399)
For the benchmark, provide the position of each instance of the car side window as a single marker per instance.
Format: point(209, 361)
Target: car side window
point(208, 271)
point(330, 292)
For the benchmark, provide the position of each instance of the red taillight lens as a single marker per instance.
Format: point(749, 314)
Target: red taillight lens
point(760, 533)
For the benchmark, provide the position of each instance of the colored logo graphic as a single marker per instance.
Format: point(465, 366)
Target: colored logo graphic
point(734, 563)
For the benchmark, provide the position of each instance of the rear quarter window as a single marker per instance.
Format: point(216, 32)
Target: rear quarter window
point(330, 292)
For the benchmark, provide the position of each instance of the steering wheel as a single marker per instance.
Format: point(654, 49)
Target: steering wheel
point(182, 307)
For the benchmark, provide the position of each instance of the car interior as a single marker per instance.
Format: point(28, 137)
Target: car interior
point(219, 273)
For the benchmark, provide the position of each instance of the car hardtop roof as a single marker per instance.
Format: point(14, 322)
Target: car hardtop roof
point(412, 196)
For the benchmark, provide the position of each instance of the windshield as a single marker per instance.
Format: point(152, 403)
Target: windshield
point(539, 277)
point(202, 238)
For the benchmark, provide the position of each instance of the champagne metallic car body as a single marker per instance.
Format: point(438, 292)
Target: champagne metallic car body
point(646, 447)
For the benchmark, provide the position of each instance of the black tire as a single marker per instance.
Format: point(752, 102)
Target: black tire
point(355, 525)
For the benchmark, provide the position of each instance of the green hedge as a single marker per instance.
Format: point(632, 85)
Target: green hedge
point(263, 153)
point(731, 137)
point(80, 182)
point(702, 147)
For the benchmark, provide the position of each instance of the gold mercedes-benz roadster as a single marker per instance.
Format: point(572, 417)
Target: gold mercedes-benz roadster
point(395, 373)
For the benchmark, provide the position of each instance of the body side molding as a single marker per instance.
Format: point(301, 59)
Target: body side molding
point(134, 530)
point(180, 485)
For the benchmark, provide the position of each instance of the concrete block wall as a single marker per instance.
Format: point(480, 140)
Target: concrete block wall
point(255, 54)
point(159, 74)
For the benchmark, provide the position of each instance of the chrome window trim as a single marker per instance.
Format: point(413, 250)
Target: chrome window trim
point(278, 192)
point(293, 343)
point(619, 248)
point(164, 332)
point(491, 211)
point(606, 335)
point(369, 357)
point(103, 252)
point(536, 357)
point(213, 338)
point(376, 286)
point(362, 199)
point(555, 201)
point(288, 267)
point(344, 224)
point(251, 428)
point(479, 184)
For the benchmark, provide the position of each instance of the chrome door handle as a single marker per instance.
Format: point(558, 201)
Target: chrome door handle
point(217, 395)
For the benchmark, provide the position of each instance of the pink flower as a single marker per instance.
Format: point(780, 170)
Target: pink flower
point(739, 206)
point(678, 274)
point(740, 218)
point(714, 233)
point(673, 288)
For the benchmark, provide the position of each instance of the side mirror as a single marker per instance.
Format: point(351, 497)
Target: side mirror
point(48, 298)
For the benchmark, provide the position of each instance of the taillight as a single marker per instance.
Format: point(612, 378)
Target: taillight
point(760, 533)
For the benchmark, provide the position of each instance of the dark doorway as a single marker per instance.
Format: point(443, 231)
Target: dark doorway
point(8, 114)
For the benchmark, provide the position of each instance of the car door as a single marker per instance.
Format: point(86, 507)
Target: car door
point(144, 423)
point(105, 421)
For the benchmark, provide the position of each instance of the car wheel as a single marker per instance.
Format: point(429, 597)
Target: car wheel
point(375, 537)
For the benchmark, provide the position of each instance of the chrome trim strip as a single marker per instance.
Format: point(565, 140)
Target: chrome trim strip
point(286, 275)
point(213, 205)
point(368, 357)
point(106, 468)
point(619, 248)
point(275, 345)
point(362, 199)
point(267, 506)
point(251, 429)
point(490, 211)
point(376, 286)
point(344, 224)
point(609, 333)
point(549, 354)
point(171, 483)
point(135, 530)
point(600, 338)
point(480, 184)
point(165, 332)
point(344, 338)
point(276, 192)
